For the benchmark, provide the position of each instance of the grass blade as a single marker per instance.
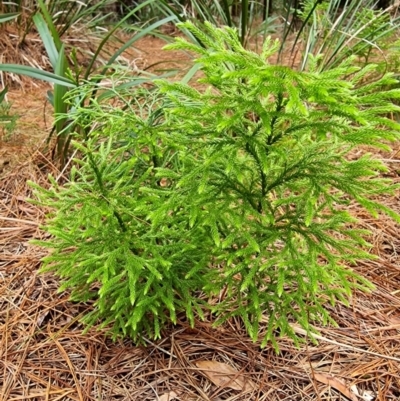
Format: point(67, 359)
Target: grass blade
point(189, 75)
point(60, 107)
point(109, 35)
point(244, 20)
point(50, 24)
point(8, 17)
point(3, 94)
point(36, 73)
point(47, 39)
point(142, 33)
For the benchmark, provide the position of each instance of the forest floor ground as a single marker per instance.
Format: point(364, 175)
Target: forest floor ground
point(44, 355)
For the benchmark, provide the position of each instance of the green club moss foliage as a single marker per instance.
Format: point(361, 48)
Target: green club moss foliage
point(239, 189)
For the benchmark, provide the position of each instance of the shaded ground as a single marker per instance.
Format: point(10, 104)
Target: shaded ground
point(45, 356)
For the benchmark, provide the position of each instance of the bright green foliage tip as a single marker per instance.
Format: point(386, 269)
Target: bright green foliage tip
point(240, 190)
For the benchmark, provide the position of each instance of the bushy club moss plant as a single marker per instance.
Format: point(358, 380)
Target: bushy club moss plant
point(238, 189)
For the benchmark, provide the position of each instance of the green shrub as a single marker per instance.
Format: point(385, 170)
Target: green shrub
point(238, 190)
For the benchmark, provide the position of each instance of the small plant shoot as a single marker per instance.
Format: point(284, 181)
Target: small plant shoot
point(229, 198)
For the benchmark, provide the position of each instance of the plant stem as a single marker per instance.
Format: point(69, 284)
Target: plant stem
point(103, 190)
point(245, 19)
point(279, 107)
point(227, 12)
